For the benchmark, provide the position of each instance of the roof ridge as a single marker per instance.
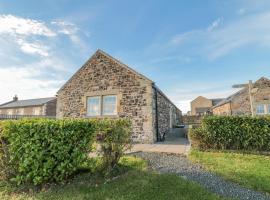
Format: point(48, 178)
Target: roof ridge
point(108, 56)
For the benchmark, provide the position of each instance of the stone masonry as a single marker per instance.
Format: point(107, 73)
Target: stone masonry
point(239, 103)
point(104, 75)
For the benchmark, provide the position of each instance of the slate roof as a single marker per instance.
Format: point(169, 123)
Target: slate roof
point(28, 102)
point(217, 101)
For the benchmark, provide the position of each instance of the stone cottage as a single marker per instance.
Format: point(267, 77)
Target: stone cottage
point(33, 107)
point(106, 88)
point(239, 102)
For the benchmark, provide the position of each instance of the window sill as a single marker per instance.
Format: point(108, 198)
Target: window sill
point(102, 116)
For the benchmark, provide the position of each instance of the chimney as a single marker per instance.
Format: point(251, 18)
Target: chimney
point(15, 98)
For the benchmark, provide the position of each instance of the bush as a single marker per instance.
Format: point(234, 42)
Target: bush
point(232, 132)
point(114, 138)
point(38, 151)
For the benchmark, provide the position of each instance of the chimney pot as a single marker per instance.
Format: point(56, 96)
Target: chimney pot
point(15, 98)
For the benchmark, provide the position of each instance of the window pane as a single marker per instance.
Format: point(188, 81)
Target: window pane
point(109, 105)
point(93, 106)
point(260, 109)
point(268, 108)
point(36, 111)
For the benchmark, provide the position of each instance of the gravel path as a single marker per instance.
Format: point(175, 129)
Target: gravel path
point(171, 163)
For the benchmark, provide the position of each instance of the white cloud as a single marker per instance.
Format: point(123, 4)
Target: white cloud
point(241, 11)
point(32, 64)
point(20, 81)
point(215, 24)
point(217, 41)
point(69, 29)
point(17, 25)
point(33, 48)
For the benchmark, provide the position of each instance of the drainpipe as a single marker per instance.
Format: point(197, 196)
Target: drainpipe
point(156, 104)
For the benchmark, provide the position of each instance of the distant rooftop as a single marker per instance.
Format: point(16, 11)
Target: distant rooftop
point(27, 102)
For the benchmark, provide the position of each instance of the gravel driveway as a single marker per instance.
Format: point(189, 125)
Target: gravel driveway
point(180, 165)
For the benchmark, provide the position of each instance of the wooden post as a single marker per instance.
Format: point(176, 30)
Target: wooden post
point(250, 97)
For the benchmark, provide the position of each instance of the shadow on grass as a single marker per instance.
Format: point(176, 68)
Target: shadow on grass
point(132, 181)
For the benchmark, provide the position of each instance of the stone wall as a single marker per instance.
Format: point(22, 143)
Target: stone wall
point(50, 108)
point(240, 103)
point(103, 75)
point(168, 114)
point(224, 109)
point(200, 102)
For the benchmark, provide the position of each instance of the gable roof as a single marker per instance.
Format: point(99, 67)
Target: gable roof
point(231, 97)
point(200, 97)
point(28, 102)
point(122, 65)
point(109, 57)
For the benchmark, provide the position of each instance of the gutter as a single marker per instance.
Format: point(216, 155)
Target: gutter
point(156, 117)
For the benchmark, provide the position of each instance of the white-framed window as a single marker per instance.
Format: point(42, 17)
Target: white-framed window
point(36, 111)
point(9, 111)
point(94, 106)
point(109, 105)
point(268, 108)
point(102, 105)
point(260, 109)
point(21, 111)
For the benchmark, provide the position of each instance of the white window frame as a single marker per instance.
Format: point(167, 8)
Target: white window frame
point(21, 111)
point(9, 112)
point(36, 111)
point(262, 108)
point(87, 103)
point(101, 105)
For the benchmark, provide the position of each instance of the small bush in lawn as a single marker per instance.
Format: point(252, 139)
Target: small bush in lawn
point(114, 138)
point(38, 151)
point(233, 132)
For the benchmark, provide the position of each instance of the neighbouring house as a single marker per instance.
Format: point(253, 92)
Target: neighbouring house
point(40, 107)
point(202, 105)
point(239, 102)
point(106, 88)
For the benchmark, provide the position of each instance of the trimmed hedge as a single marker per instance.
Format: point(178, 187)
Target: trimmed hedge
point(232, 133)
point(42, 150)
point(38, 151)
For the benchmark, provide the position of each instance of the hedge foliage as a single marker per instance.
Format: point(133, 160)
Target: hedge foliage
point(114, 138)
point(38, 151)
point(232, 133)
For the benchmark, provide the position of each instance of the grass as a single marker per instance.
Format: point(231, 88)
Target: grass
point(252, 171)
point(132, 181)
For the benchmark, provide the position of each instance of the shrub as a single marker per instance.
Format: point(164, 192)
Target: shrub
point(232, 132)
point(41, 150)
point(114, 138)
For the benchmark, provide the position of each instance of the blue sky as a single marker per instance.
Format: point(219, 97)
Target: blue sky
point(188, 48)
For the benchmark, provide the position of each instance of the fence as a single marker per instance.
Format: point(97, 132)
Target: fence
point(192, 120)
point(15, 117)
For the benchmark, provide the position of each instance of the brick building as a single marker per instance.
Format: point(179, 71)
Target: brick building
point(41, 107)
point(105, 87)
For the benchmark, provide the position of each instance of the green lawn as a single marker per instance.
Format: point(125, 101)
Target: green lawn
point(134, 181)
point(252, 171)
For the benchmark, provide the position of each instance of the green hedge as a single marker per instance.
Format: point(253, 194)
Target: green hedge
point(38, 151)
point(114, 138)
point(43, 150)
point(232, 132)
